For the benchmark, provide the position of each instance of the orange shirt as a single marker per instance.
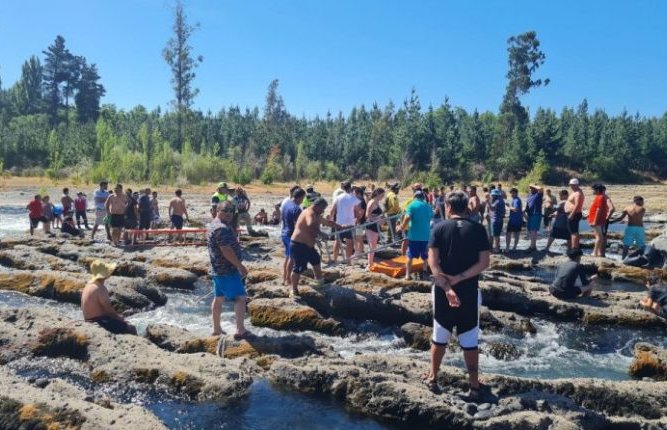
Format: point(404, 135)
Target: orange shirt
point(597, 214)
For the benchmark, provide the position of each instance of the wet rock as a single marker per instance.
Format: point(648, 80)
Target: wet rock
point(166, 277)
point(128, 294)
point(26, 258)
point(389, 387)
point(286, 314)
point(502, 351)
point(126, 359)
point(61, 342)
point(602, 308)
point(417, 336)
point(649, 361)
point(196, 266)
point(60, 405)
point(182, 341)
point(483, 415)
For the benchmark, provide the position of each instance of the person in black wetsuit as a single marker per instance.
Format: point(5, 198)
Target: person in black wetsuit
point(458, 252)
point(565, 284)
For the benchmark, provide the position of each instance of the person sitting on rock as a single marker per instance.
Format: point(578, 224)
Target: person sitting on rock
point(95, 303)
point(565, 285)
point(69, 228)
point(261, 217)
point(275, 216)
point(656, 301)
point(227, 269)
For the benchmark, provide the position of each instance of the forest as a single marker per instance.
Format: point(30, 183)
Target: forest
point(53, 122)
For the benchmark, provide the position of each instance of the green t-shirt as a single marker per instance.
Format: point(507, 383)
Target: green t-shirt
point(221, 197)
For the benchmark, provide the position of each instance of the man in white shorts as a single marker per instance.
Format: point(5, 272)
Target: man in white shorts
point(458, 253)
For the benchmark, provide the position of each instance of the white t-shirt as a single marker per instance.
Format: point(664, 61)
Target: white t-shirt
point(345, 204)
point(337, 192)
point(100, 198)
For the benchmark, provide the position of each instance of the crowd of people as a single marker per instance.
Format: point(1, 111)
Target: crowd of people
point(453, 232)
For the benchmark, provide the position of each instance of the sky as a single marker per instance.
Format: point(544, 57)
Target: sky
point(332, 55)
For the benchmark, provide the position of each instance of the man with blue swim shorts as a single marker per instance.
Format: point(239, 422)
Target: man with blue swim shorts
point(634, 232)
point(227, 270)
point(534, 214)
point(289, 213)
point(417, 222)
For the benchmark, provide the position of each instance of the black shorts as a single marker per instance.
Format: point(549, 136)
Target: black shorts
point(513, 228)
point(547, 217)
point(177, 221)
point(302, 255)
point(560, 233)
point(112, 325)
point(346, 235)
point(465, 318)
point(130, 223)
point(573, 224)
point(567, 294)
point(34, 222)
point(145, 219)
point(81, 214)
point(117, 220)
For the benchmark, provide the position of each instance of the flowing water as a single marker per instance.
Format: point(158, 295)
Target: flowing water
point(557, 350)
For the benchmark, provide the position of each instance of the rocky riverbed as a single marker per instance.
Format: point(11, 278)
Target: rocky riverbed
point(356, 342)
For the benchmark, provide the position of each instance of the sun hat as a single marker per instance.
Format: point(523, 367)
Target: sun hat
point(222, 185)
point(101, 270)
point(574, 181)
point(533, 185)
point(417, 186)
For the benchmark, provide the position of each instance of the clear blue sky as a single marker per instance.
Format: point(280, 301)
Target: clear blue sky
point(335, 54)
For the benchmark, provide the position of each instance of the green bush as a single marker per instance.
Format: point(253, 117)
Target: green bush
point(332, 172)
point(385, 173)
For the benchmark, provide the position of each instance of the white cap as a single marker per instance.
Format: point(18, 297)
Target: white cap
point(574, 181)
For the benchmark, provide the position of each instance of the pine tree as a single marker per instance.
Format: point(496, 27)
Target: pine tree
point(178, 55)
point(89, 93)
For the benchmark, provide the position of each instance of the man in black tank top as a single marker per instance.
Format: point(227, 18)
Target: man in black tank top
point(458, 253)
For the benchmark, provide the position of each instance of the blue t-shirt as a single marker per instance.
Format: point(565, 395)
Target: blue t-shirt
point(497, 210)
point(516, 218)
point(534, 204)
point(290, 213)
point(420, 214)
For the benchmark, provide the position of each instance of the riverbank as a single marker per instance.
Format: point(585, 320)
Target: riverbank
point(357, 342)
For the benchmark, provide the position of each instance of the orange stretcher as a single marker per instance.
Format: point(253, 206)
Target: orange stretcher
point(396, 266)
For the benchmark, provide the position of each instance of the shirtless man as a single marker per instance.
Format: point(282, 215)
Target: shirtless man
point(177, 211)
point(95, 303)
point(115, 206)
point(474, 205)
point(574, 207)
point(634, 232)
point(302, 242)
point(67, 201)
